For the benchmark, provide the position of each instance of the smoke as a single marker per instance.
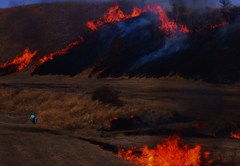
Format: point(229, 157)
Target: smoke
point(193, 3)
point(125, 30)
point(137, 30)
point(198, 4)
point(230, 30)
point(171, 46)
point(165, 3)
point(132, 30)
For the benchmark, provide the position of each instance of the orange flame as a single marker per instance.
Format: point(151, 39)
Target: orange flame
point(112, 119)
point(60, 52)
point(171, 153)
point(21, 62)
point(169, 27)
point(219, 25)
point(114, 14)
point(235, 134)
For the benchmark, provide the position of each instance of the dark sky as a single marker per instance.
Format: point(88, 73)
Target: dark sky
point(10, 3)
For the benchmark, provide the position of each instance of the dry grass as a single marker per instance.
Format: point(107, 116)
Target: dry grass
point(62, 110)
point(107, 95)
point(69, 105)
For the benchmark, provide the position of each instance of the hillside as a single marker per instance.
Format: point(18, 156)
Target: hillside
point(114, 40)
point(152, 44)
point(44, 27)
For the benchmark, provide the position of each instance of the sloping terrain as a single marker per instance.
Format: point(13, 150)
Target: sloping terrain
point(121, 40)
point(27, 145)
point(136, 46)
point(44, 27)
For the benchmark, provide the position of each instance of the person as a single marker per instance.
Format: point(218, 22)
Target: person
point(33, 119)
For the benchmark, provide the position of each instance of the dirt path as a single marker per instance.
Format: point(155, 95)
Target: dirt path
point(25, 145)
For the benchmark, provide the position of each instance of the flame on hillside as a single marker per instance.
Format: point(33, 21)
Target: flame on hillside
point(115, 14)
point(20, 62)
point(235, 134)
point(214, 26)
point(172, 152)
point(169, 27)
point(60, 52)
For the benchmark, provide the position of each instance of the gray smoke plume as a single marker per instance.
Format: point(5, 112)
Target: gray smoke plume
point(229, 30)
point(172, 45)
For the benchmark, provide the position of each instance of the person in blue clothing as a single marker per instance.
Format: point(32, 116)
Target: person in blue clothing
point(33, 119)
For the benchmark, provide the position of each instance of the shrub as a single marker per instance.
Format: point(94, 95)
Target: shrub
point(107, 95)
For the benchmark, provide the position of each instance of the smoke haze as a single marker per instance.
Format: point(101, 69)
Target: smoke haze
point(191, 3)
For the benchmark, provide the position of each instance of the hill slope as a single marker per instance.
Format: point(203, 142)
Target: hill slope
point(44, 27)
point(145, 42)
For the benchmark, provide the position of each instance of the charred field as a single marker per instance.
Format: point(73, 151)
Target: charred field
point(107, 79)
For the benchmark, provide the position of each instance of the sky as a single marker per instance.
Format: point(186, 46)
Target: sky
point(10, 3)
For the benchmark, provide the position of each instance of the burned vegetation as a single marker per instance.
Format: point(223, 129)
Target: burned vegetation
point(149, 41)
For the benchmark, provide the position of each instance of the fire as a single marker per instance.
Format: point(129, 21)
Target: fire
point(21, 62)
point(184, 29)
point(114, 14)
point(172, 152)
point(169, 27)
point(91, 25)
point(112, 119)
point(235, 134)
point(219, 25)
point(60, 52)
